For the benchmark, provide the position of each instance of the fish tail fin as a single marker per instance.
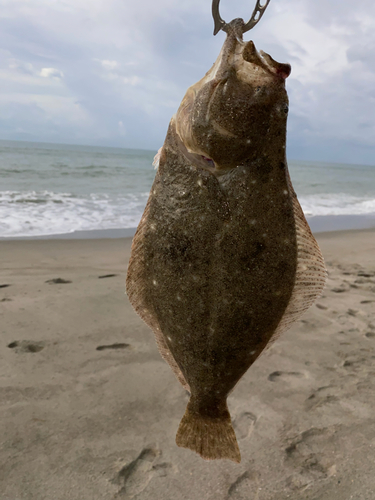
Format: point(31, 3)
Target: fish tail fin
point(211, 436)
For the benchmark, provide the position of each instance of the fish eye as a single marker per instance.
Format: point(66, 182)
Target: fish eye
point(282, 108)
point(208, 161)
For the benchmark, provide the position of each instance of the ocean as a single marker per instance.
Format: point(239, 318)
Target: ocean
point(55, 189)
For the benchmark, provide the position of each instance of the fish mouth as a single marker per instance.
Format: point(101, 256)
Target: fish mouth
point(282, 70)
point(248, 63)
point(223, 115)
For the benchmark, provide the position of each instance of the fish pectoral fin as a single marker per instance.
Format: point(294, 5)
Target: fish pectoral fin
point(156, 161)
point(212, 438)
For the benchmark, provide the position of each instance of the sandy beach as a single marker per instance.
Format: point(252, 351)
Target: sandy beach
point(89, 410)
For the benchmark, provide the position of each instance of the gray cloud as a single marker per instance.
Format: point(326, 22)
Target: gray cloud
point(113, 72)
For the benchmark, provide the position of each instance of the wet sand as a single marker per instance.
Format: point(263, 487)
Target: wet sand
point(89, 410)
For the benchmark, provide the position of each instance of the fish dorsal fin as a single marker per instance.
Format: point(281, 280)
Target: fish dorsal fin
point(311, 273)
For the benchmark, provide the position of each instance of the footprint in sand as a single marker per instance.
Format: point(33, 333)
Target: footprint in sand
point(112, 346)
point(134, 477)
point(244, 424)
point(57, 281)
point(366, 274)
point(321, 306)
point(340, 289)
point(311, 454)
point(322, 396)
point(246, 486)
point(355, 363)
point(370, 335)
point(363, 281)
point(22, 346)
point(352, 312)
point(347, 320)
point(276, 376)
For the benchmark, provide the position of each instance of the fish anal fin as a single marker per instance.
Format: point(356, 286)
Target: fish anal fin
point(136, 291)
point(212, 438)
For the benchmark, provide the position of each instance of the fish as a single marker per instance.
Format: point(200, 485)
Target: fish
point(223, 260)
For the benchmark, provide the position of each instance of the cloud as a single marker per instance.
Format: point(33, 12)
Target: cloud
point(113, 70)
point(74, 71)
point(51, 73)
point(121, 127)
point(109, 65)
point(21, 67)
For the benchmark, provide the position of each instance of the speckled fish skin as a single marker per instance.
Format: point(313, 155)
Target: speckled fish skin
point(223, 260)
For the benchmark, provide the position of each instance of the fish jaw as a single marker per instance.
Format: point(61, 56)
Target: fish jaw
point(233, 113)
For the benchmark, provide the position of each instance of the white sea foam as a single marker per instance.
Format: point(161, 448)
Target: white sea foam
point(35, 213)
point(337, 204)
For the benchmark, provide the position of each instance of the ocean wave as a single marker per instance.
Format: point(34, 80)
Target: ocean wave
point(36, 213)
point(337, 204)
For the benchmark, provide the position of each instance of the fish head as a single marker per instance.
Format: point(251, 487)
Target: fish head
point(238, 110)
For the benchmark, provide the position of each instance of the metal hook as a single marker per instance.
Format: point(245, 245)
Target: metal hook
point(257, 14)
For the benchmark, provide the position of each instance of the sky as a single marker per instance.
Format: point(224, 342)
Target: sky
point(113, 72)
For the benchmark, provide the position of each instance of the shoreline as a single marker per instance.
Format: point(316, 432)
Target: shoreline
point(318, 224)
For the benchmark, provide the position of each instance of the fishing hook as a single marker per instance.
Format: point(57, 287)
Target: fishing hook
point(220, 24)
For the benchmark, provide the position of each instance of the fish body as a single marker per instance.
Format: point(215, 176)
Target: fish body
point(223, 259)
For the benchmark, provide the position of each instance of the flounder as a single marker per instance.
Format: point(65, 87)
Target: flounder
point(223, 260)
